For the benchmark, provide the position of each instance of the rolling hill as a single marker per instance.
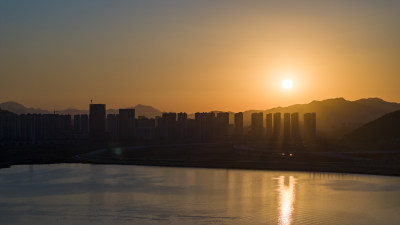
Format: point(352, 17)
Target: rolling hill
point(385, 129)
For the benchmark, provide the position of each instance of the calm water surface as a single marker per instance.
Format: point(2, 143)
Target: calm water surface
point(112, 194)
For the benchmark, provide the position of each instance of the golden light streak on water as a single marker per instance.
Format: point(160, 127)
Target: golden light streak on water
point(286, 199)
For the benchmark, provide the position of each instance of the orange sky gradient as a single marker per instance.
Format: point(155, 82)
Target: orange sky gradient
point(197, 56)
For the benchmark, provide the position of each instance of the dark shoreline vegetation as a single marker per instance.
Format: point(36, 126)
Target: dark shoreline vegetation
point(316, 157)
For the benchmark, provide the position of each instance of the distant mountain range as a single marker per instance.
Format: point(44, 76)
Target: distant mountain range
point(20, 109)
point(335, 117)
point(140, 110)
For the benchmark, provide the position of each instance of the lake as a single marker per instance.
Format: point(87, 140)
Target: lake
point(118, 194)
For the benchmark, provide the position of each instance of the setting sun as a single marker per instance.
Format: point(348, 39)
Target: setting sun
point(275, 112)
point(287, 84)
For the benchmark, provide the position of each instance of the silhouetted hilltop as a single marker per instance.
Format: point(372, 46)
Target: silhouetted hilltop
point(20, 109)
point(145, 110)
point(17, 108)
point(384, 130)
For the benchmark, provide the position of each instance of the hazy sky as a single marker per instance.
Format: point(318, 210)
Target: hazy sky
point(197, 55)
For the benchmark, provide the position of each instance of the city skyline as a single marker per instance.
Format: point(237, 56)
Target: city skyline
point(197, 56)
point(98, 126)
point(199, 112)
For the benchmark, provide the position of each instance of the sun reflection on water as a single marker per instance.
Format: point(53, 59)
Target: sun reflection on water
point(286, 199)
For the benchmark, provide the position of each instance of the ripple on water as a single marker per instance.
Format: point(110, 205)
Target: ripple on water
point(112, 194)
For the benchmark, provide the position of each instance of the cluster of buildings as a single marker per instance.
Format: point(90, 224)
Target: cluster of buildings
point(205, 127)
point(37, 127)
point(170, 127)
point(287, 127)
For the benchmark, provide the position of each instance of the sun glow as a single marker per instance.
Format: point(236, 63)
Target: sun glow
point(286, 199)
point(287, 84)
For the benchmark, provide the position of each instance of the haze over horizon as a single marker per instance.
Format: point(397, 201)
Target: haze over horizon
point(155, 108)
point(197, 56)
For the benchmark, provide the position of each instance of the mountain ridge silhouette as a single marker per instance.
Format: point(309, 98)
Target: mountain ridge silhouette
point(141, 110)
point(335, 117)
point(385, 129)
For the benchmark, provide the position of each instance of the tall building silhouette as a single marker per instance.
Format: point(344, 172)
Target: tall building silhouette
point(80, 123)
point(223, 126)
point(126, 124)
point(112, 126)
point(97, 121)
point(294, 122)
point(277, 125)
point(198, 117)
point(238, 125)
point(286, 126)
point(168, 126)
point(209, 126)
point(85, 123)
point(182, 126)
point(192, 134)
point(8, 125)
point(205, 126)
point(268, 123)
point(257, 124)
point(145, 129)
point(77, 123)
point(310, 125)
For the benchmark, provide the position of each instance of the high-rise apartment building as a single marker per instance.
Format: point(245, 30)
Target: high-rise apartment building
point(310, 125)
point(223, 126)
point(294, 123)
point(126, 124)
point(112, 126)
point(238, 125)
point(286, 126)
point(182, 126)
point(277, 125)
point(268, 123)
point(97, 121)
point(257, 125)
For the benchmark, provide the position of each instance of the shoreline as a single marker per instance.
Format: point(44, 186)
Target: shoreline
point(254, 166)
point(223, 156)
point(360, 171)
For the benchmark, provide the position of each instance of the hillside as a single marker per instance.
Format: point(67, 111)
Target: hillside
point(384, 130)
point(17, 108)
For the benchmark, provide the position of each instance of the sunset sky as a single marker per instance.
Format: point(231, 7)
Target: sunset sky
point(197, 55)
